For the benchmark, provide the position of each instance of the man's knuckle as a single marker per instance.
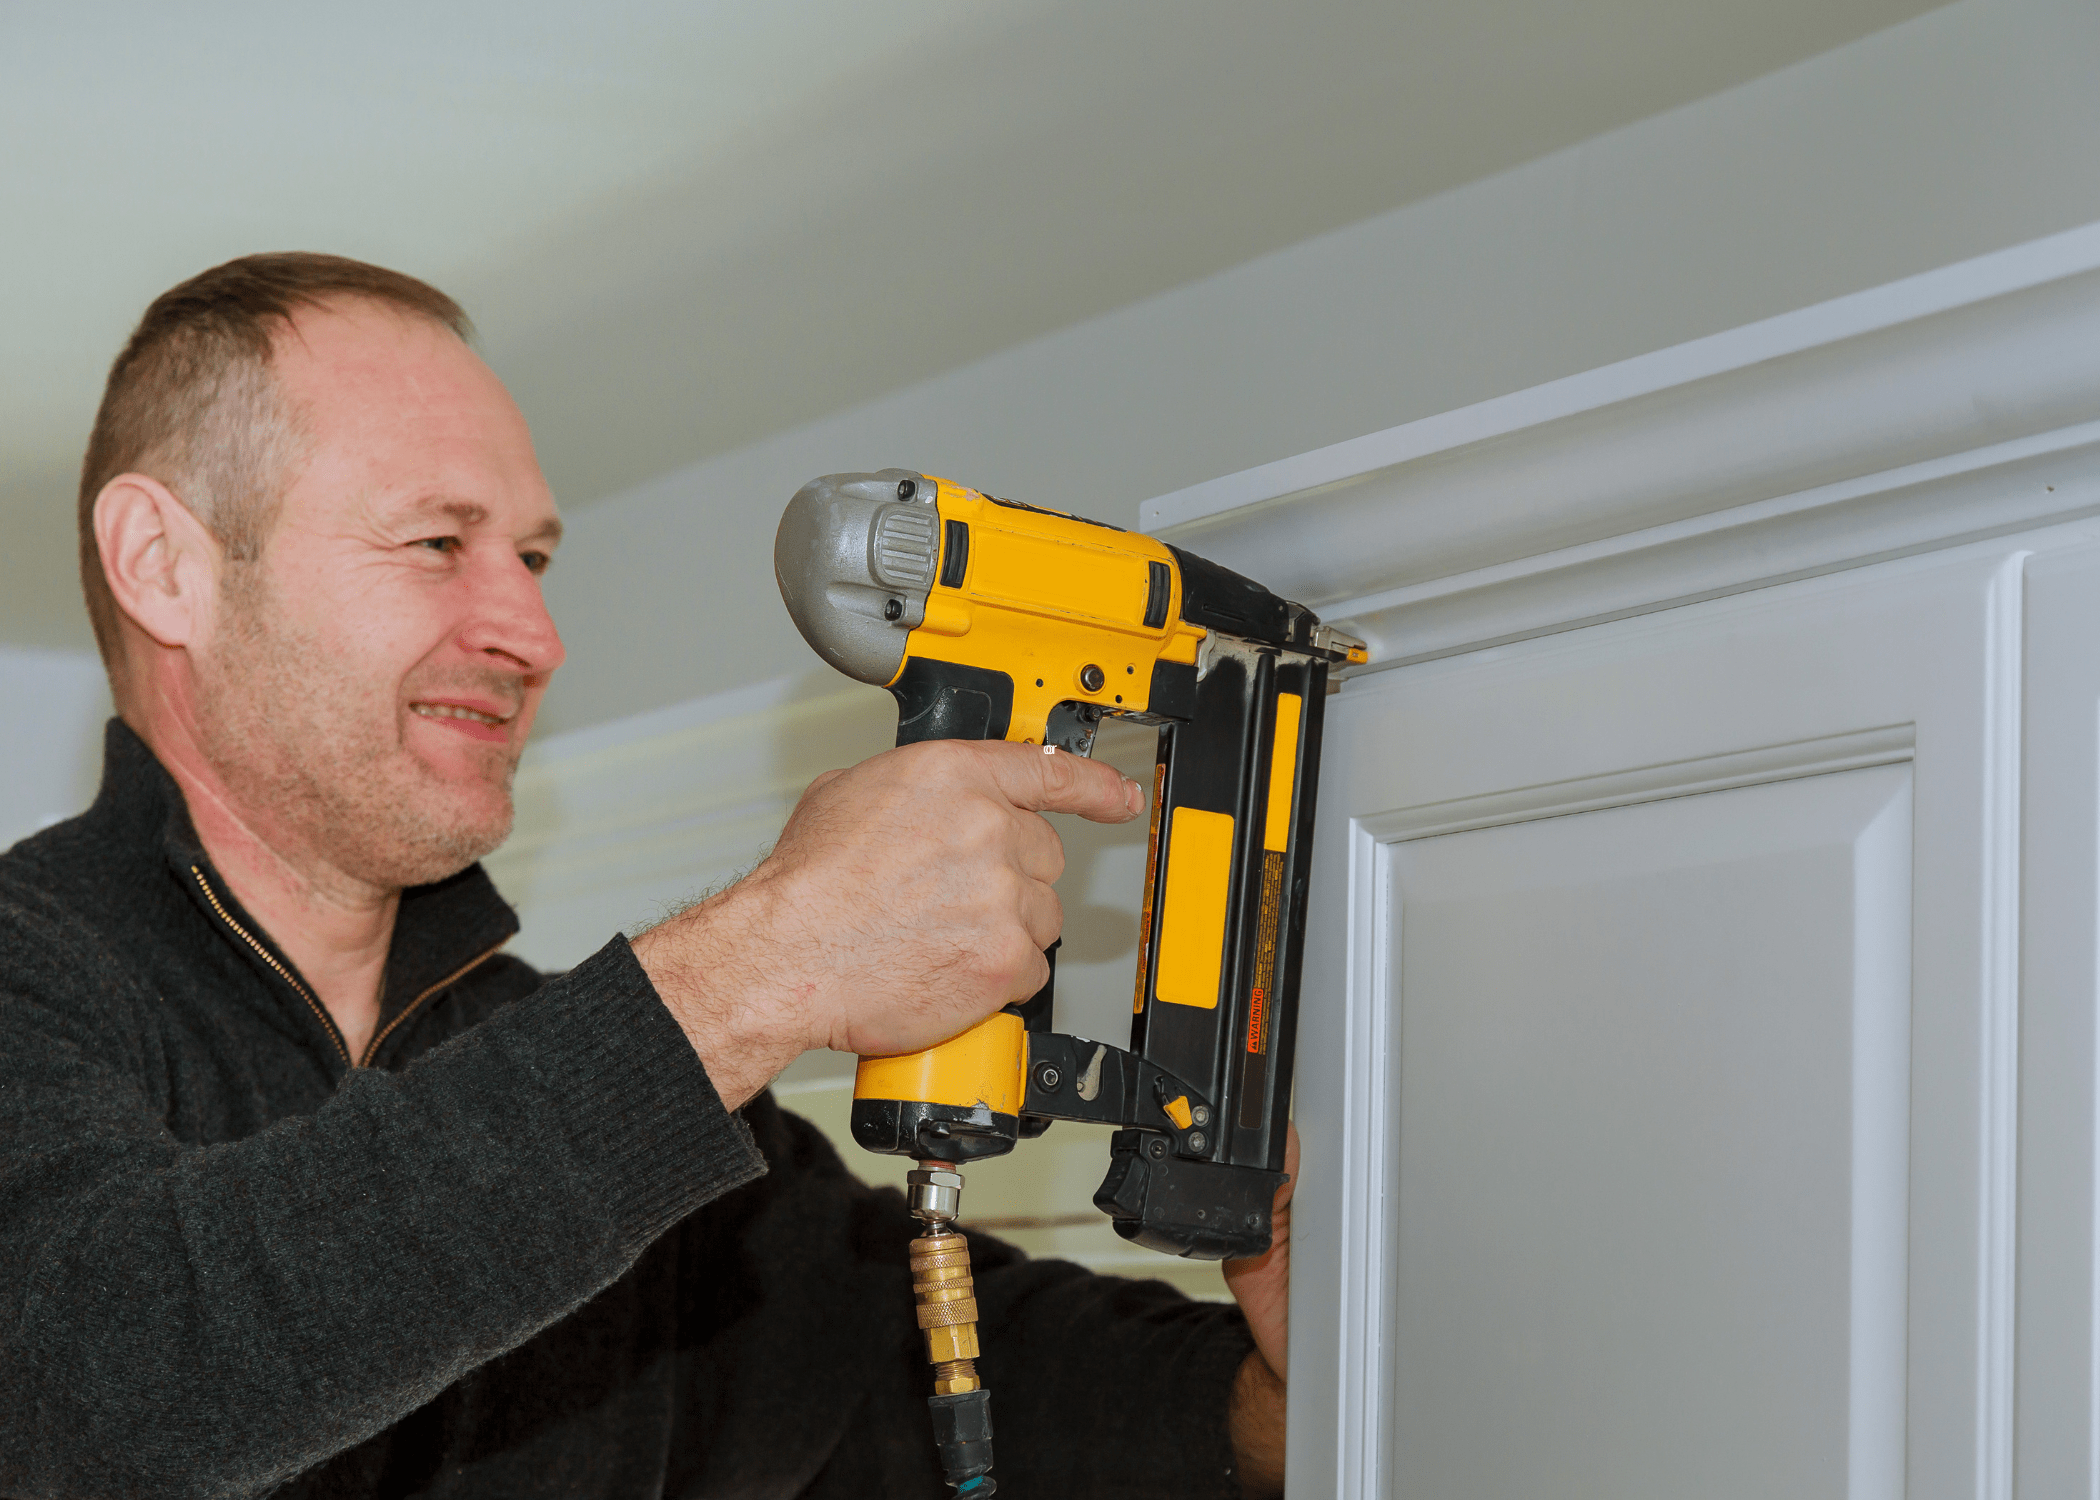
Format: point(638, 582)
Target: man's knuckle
point(1019, 954)
point(1015, 891)
point(978, 821)
point(933, 759)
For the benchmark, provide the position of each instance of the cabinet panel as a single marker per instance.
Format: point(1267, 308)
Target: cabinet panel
point(1651, 1160)
point(1657, 1063)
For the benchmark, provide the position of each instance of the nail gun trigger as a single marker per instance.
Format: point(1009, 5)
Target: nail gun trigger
point(1071, 725)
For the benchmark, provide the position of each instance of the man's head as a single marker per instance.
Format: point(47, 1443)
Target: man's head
point(311, 532)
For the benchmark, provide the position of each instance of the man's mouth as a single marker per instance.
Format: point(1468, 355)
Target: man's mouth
point(476, 723)
point(457, 711)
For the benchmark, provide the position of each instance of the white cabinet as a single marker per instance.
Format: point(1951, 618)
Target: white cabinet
point(1698, 1047)
point(1689, 1026)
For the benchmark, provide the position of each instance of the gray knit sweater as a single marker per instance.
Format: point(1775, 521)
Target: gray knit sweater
point(520, 1250)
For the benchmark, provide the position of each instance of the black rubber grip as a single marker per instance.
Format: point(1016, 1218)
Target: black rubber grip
point(955, 553)
point(1220, 599)
point(1158, 593)
point(944, 700)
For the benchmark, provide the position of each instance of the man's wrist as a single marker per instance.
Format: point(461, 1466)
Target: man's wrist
point(705, 964)
point(1256, 1422)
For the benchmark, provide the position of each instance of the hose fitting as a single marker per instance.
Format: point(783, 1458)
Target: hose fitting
point(947, 1298)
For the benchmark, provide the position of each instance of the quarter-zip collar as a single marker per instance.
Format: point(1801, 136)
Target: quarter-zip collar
point(442, 932)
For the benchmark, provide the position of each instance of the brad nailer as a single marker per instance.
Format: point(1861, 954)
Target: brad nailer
point(990, 619)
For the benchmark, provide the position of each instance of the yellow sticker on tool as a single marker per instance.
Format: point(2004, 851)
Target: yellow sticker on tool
point(1192, 912)
point(1283, 773)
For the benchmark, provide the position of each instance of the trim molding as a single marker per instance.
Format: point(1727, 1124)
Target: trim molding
point(1365, 1235)
point(1845, 752)
point(1997, 1188)
point(1945, 408)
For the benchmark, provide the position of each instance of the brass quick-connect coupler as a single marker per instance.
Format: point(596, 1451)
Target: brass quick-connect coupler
point(940, 1279)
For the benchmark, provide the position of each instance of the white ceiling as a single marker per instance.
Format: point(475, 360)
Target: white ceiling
point(683, 225)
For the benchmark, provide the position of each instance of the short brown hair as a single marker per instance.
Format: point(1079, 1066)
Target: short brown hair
point(191, 400)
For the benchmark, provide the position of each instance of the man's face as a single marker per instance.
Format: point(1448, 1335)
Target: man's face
point(370, 679)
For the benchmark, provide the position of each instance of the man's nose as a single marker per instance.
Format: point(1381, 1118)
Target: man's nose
point(508, 617)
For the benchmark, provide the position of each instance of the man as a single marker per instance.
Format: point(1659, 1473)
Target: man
point(307, 1189)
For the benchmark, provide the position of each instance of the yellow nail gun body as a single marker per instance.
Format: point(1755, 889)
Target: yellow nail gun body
point(988, 619)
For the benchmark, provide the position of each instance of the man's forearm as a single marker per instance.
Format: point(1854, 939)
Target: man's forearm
point(1257, 1428)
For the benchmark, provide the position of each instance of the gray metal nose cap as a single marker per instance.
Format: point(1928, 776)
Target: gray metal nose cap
point(855, 563)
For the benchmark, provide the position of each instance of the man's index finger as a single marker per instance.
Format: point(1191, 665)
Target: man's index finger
point(1045, 779)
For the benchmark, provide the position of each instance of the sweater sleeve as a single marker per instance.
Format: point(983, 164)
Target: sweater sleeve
point(209, 1320)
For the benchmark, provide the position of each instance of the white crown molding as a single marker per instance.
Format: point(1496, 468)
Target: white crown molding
point(1946, 407)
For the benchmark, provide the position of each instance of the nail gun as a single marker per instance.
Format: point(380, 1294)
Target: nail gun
point(990, 619)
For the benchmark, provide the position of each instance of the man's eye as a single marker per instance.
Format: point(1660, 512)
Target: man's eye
point(439, 543)
point(535, 562)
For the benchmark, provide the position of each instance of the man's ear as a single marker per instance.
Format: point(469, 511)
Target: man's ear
point(161, 562)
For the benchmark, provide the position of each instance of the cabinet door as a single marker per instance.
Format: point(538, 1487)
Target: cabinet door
point(1657, 1074)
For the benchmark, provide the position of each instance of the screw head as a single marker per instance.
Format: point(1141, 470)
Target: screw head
point(1197, 1140)
point(906, 488)
point(1092, 677)
point(1048, 1076)
point(893, 609)
point(1155, 1148)
point(1200, 1114)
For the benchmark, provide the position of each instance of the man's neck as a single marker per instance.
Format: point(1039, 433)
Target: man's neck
point(336, 929)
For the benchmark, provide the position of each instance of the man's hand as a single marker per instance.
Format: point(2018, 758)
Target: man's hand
point(907, 899)
point(1262, 1286)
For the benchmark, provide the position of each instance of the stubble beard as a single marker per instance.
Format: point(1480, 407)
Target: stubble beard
point(314, 753)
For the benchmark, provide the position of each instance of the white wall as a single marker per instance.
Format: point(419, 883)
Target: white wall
point(50, 736)
point(1966, 130)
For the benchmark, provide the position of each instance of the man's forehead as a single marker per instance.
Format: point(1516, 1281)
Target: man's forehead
point(371, 351)
point(404, 413)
